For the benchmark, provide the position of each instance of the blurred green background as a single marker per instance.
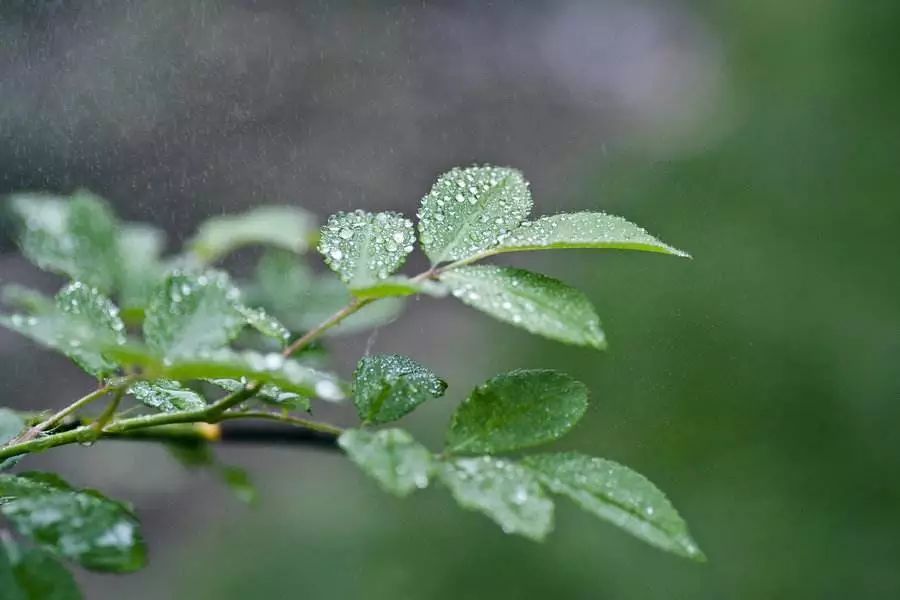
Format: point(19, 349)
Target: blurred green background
point(757, 384)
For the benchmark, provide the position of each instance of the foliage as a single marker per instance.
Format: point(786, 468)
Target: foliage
point(191, 317)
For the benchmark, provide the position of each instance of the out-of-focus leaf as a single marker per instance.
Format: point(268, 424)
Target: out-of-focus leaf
point(532, 301)
point(166, 395)
point(392, 457)
point(287, 227)
point(9, 583)
point(266, 324)
point(27, 300)
point(39, 576)
point(401, 286)
point(515, 410)
point(239, 482)
point(363, 248)
point(388, 386)
point(581, 230)
point(504, 491)
point(271, 394)
point(140, 267)
point(82, 324)
point(11, 425)
point(468, 210)
point(74, 236)
point(619, 495)
point(80, 525)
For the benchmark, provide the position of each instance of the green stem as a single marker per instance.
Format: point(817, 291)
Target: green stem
point(35, 431)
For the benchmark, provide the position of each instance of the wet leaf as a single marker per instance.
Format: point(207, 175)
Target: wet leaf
point(266, 324)
point(581, 230)
point(40, 576)
point(270, 394)
point(140, 268)
point(389, 386)
point(534, 302)
point(73, 236)
point(189, 314)
point(28, 300)
point(468, 210)
point(392, 457)
point(287, 227)
point(81, 325)
point(619, 495)
point(504, 491)
point(515, 410)
point(167, 395)
point(79, 525)
point(363, 248)
point(401, 286)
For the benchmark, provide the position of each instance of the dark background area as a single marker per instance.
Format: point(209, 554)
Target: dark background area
point(758, 384)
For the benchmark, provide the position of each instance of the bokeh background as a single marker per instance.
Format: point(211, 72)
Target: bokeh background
point(758, 384)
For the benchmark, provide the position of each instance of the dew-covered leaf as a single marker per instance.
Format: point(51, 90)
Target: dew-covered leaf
point(581, 230)
point(38, 575)
point(363, 248)
point(389, 386)
point(301, 300)
point(287, 227)
point(287, 374)
point(534, 302)
point(80, 525)
point(189, 314)
point(515, 410)
point(140, 267)
point(392, 457)
point(73, 236)
point(468, 210)
point(270, 394)
point(619, 495)
point(82, 324)
point(504, 491)
point(401, 286)
point(26, 299)
point(266, 324)
point(166, 395)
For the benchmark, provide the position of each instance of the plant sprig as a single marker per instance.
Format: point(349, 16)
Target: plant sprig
point(195, 328)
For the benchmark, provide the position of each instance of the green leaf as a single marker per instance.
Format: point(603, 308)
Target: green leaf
point(74, 236)
point(9, 583)
point(363, 248)
point(80, 525)
point(11, 425)
point(515, 410)
point(401, 286)
point(287, 227)
point(468, 210)
point(504, 491)
point(619, 495)
point(287, 374)
point(302, 300)
point(140, 267)
point(266, 324)
point(26, 299)
point(40, 576)
point(240, 484)
point(388, 386)
point(189, 314)
point(82, 324)
point(532, 301)
point(392, 457)
point(166, 395)
point(581, 230)
point(269, 393)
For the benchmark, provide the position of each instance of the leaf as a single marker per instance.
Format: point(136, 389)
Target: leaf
point(189, 314)
point(534, 302)
point(388, 386)
point(468, 210)
point(74, 236)
point(9, 583)
point(166, 395)
point(515, 410)
point(287, 227)
point(80, 525)
point(581, 230)
point(619, 495)
point(270, 394)
point(140, 267)
point(287, 374)
point(302, 300)
point(363, 248)
point(265, 323)
point(41, 577)
point(26, 299)
point(11, 425)
point(82, 325)
point(401, 286)
point(240, 484)
point(392, 457)
point(504, 491)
